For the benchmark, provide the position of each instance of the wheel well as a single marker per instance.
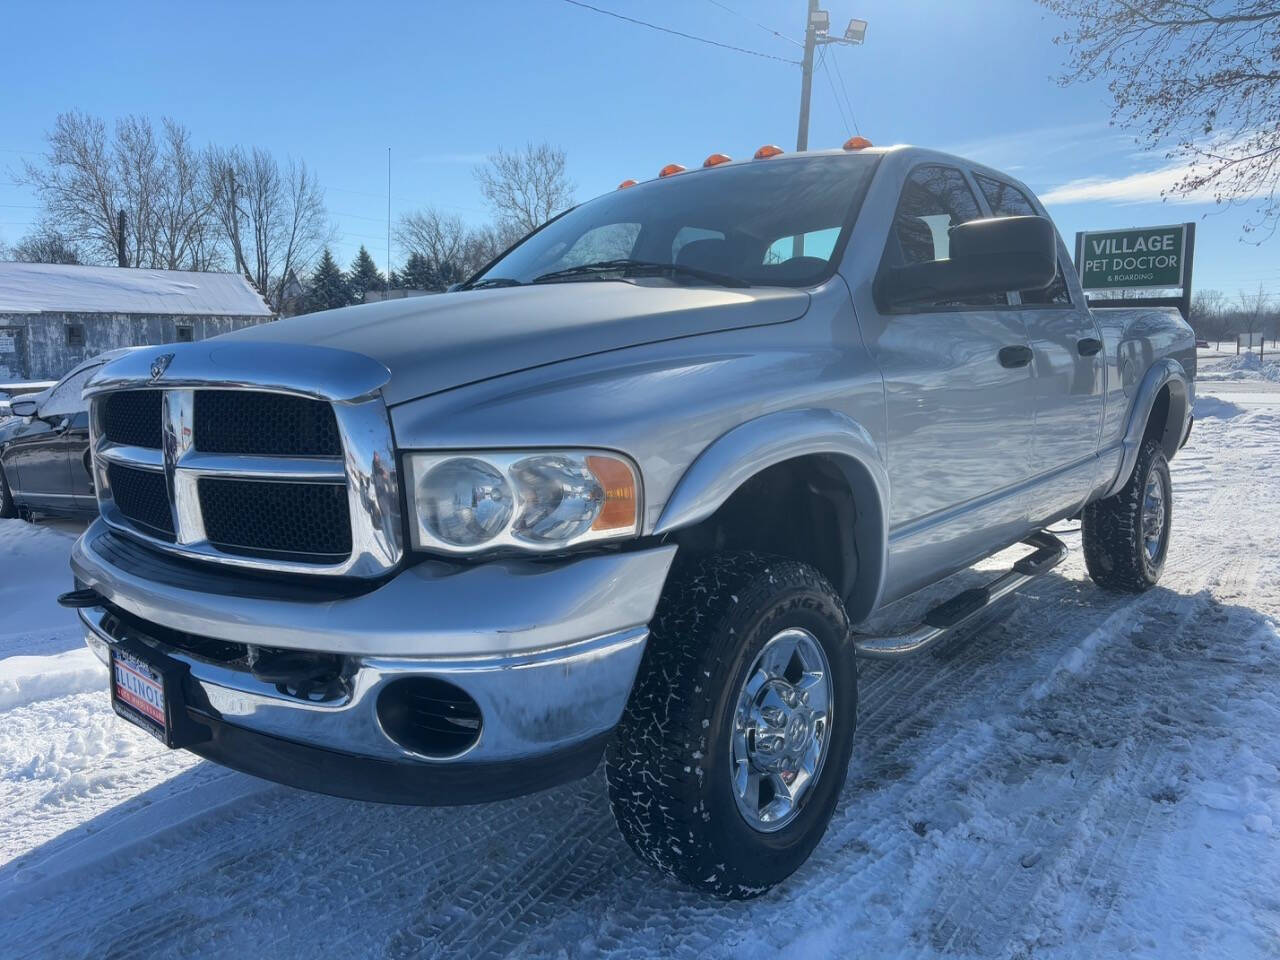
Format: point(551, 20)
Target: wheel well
point(810, 509)
point(1164, 422)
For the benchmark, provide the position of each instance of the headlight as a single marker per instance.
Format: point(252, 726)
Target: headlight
point(534, 500)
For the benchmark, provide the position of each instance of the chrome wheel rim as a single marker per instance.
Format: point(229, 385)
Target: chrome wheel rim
point(781, 729)
point(1154, 517)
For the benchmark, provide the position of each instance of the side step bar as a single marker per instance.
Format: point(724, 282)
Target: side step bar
point(1048, 551)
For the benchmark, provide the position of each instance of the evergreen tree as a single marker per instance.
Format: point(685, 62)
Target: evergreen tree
point(364, 276)
point(417, 273)
point(327, 288)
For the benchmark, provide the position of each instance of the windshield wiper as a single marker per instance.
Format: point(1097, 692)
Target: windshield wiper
point(629, 267)
point(493, 282)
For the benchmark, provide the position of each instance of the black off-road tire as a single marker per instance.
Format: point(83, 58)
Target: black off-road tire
point(668, 765)
point(1112, 532)
point(7, 506)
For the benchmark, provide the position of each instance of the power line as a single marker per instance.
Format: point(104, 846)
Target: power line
point(677, 33)
point(765, 28)
point(852, 116)
point(822, 62)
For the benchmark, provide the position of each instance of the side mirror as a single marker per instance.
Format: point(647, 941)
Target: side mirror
point(987, 256)
point(24, 408)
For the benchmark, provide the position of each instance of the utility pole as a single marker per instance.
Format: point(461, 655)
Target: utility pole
point(817, 33)
point(806, 75)
point(388, 218)
point(817, 26)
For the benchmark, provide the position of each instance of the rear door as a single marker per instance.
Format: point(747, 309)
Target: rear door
point(960, 399)
point(1069, 372)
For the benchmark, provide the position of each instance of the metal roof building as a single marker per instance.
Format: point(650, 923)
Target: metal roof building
point(52, 316)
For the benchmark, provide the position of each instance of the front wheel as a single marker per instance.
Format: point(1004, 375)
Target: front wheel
point(1126, 536)
point(728, 762)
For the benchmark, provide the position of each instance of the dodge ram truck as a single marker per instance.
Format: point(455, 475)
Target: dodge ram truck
point(633, 491)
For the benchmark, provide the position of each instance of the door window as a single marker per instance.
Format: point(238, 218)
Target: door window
point(1006, 200)
point(934, 199)
point(64, 399)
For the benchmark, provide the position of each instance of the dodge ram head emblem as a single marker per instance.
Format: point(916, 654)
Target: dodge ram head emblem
point(159, 365)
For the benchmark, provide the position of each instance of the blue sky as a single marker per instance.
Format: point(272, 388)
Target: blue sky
point(443, 84)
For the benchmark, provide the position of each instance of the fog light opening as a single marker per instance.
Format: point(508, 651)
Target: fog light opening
point(429, 716)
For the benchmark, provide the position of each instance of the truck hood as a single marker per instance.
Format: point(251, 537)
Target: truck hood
point(435, 343)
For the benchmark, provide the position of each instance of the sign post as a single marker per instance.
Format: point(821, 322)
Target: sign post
point(1140, 257)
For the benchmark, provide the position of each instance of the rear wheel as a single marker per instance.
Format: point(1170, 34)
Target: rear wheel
point(1126, 536)
point(728, 762)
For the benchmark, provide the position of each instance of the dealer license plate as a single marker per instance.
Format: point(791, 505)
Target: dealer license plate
point(138, 693)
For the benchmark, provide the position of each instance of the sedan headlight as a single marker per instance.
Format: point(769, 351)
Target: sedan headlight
point(533, 500)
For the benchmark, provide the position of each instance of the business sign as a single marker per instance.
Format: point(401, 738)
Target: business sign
point(1143, 257)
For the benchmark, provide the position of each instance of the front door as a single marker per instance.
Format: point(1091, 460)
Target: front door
point(960, 400)
point(1069, 375)
point(49, 451)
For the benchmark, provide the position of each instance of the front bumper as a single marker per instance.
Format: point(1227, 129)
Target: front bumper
point(547, 650)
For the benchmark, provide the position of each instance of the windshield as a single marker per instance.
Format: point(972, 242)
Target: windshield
point(770, 222)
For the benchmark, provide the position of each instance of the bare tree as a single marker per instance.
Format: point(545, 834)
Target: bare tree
point(45, 245)
point(273, 218)
point(185, 231)
point(1209, 316)
point(1253, 314)
point(526, 188)
point(91, 183)
point(442, 239)
point(1200, 78)
point(78, 182)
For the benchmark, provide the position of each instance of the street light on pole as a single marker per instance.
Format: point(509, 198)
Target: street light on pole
point(817, 31)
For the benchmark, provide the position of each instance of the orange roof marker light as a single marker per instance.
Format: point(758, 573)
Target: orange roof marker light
point(767, 151)
point(627, 183)
point(716, 159)
point(857, 143)
point(671, 168)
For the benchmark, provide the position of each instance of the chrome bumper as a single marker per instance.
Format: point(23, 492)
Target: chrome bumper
point(548, 650)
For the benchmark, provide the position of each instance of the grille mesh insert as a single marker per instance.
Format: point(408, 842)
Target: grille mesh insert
point(269, 424)
point(132, 417)
point(143, 499)
point(308, 521)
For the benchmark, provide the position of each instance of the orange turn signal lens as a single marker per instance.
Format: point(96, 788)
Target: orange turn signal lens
point(716, 159)
point(857, 143)
point(627, 183)
point(671, 168)
point(767, 151)
point(621, 510)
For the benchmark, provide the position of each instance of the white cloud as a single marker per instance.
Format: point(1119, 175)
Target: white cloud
point(1149, 186)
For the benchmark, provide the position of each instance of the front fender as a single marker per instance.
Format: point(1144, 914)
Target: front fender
point(751, 447)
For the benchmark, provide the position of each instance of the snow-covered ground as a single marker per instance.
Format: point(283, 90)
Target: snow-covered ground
point(1091, 775)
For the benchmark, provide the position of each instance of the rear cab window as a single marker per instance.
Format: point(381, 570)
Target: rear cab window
point(1006, 200)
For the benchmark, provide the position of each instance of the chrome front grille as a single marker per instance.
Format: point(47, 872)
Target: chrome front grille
point(248, 474)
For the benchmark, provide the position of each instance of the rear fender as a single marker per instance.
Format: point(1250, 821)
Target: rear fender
point(1167, 372)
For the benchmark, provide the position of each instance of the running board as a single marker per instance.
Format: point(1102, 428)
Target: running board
point(1048, 552)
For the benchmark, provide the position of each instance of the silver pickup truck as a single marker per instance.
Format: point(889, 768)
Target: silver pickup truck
point(632, 492)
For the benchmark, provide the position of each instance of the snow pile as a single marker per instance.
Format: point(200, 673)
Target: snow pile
point(25, 680)
point(1247, 366)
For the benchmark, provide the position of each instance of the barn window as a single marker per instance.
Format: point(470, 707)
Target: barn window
point(75, 334)
point(185, 334)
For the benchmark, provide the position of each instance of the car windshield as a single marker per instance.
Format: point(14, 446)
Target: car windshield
point(769, 222)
